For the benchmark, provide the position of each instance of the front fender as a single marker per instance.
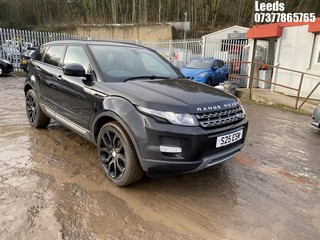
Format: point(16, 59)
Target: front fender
point(124, 112)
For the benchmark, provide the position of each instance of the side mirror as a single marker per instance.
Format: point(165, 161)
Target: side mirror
point(75, 70)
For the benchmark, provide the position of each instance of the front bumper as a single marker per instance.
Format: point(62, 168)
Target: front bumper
point(314, 123)
point(315, 119)
point(198, 147)
point(8, 68)
point(200, 80)
point(197, 79)
point(159, 168)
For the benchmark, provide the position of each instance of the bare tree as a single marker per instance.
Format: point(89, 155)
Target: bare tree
point(203, 14)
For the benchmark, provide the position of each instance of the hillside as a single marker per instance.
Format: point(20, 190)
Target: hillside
point(204, 15)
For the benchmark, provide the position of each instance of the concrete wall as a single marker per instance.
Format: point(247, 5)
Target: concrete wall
point(297, 49)
point(127, 32)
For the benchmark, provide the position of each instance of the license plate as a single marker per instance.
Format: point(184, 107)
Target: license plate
point(229, 138)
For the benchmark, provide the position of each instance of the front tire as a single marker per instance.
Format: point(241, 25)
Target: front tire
point(35, 115)
point(117, 155)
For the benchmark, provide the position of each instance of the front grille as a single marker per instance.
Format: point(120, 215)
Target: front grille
point(220, 117)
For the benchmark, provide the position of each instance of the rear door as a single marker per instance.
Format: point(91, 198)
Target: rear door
point(48, 69)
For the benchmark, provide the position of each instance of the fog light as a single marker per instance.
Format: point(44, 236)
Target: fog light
point(168, 149)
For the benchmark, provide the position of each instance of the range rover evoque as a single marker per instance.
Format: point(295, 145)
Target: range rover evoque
point(139, 110)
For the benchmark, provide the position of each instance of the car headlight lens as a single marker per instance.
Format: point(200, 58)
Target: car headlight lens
point(201, 75)
point(183, 119)
point(242, 108)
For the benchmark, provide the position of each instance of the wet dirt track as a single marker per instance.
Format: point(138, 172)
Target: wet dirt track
point(51, 185)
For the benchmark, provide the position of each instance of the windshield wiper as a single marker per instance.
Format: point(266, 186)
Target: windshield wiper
point(147, 77)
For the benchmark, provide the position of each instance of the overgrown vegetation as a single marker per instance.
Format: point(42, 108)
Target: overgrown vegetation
point(204, 15)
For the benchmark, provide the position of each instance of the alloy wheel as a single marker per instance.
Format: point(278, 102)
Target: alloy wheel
point(113, 154)
point(31, 109)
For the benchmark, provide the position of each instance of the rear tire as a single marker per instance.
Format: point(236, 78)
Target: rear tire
point(117, 155)
point(35, 115)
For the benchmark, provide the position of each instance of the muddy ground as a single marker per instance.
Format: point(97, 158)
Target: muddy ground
point(51, 186)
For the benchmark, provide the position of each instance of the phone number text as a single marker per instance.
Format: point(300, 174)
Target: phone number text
point(266, 17)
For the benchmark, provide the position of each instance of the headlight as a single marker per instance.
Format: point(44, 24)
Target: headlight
point(201, 75)
point(244, 112)
point(174, 118)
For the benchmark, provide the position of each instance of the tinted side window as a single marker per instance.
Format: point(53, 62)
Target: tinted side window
point(76, 54)
point(215, 64)
point(40, 53)
point(54, 55)
point(220, 63)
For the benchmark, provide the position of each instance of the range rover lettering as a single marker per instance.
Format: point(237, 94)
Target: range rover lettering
point(138, 109)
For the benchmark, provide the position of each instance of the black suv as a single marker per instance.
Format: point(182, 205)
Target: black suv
point(142, 114)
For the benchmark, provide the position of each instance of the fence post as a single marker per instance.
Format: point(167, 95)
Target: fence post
point(204, 42)
point(171, 58)
point(299, 90)
point(309, 94)
point(251, 79)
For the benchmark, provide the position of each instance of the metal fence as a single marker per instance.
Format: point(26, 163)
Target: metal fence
point(302, 88)
point(178, 52)
point(14, 42)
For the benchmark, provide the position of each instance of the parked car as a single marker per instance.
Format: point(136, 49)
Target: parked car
point(315, 119)
point(25, 58)
point(206, 70)
point(135, 106)
point(10, 53)
point(6, 66)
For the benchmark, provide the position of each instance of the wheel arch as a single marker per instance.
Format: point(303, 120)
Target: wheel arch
point(27, 87)
point(209, 80)
point(109, 116)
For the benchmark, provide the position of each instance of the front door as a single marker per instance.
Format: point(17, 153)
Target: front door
point(75, 103)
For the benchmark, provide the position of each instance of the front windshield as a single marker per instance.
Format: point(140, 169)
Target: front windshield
point(122, 63)
point(199, 64)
